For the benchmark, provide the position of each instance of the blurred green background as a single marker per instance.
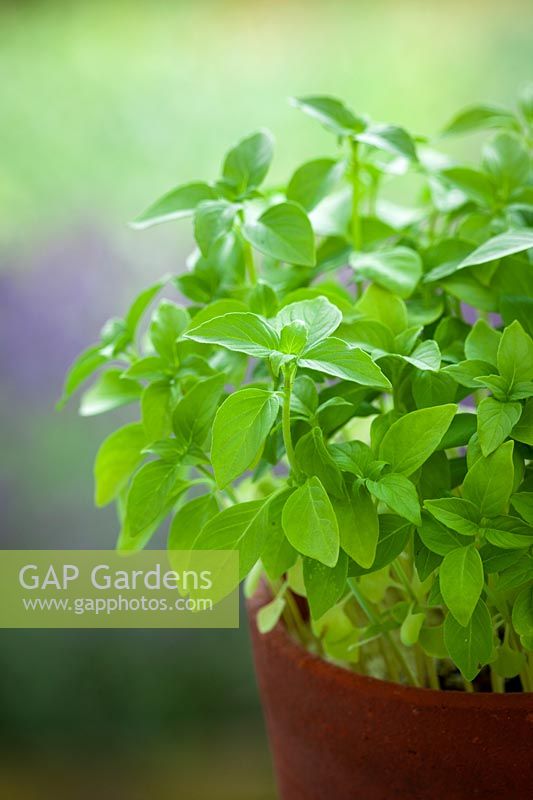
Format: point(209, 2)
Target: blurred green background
point(103, 106)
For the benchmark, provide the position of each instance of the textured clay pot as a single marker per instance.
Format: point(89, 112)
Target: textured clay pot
point(336, 735)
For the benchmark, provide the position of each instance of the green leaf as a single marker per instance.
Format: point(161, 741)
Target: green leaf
point(426, 356)
point(324, 585)
point(461, 582)
point(515, 355)
point(456, 513)
point(178, 203)
point(241, 426)
point(119, 455)
point(474, 184)
point(189, 521)
point(320, 317)
point(390, 138)
point(329, 111)
point(433, 389)
point(313, 458)
point(153, 491)
point(83, 367)
point(482, 343)
point(241, 527)
point(193, 415)
point(398, 269)
point(110, 391)
point(383, 306)
point(140, 304)
point(156, 402)
point(168, 323)
point(278, 555)
point(336, 358)
point(505, 244)
point(523, 503)
point(489, 481)
point(399, 493)
point(239, 331)
point(283, 232)
point(414, 437)
point(439, 539)
point(269, 615)
point(358, 526)
point(466, 373)
point(314, 180)
point(310, 523)
point(410, 628)
point(523, 430)
point(507, 161)
point(470, 646)
point(479, 117)
point(246, 165)
point(459, 433)
point(523, 612)
point(213, 220)
point(508, 533)
point(495, 422)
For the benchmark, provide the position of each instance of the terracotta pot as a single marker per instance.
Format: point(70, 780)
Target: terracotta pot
point(336, 735)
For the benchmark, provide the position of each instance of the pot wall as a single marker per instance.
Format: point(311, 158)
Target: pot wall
point(336, 735)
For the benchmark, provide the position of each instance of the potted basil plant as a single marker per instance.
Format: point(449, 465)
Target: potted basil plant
point(343, 393)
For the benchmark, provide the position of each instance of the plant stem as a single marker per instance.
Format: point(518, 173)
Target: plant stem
point(411, 677)
point(356, 197)
point(250, 263)
point(288, 375)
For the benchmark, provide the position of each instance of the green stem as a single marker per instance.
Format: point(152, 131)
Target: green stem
point(409, 674)
point(401, 574)
point(288, 374)
point(250, 264)
point(356, 198)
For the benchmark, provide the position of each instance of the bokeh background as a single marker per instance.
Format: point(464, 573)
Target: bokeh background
point(104, 105)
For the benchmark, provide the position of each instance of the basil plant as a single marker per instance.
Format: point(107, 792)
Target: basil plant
point(342, 392)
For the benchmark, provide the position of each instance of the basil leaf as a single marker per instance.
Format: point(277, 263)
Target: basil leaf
point(505, 244)
point(168, 323)
point(189, 521)
point(314, 180)
point(489, 481)
point(456, 513)
point(478, 118)
point(310, 523)
point(482, 343)
point(399, 494)
point(319, 316)
point(193, 415)
point(515, 355)
point(336, 358)
point(119, 455)
point(414, 437)
point(241, 527)
point(246, 165)
point(153, 491)
point(470, 646)
point(109, 391)
point(178, 203)
point(329, 111)
point(398, 269)
point(390, 138)
point(495, 421)
point(324, 585)
point(283, 232)
point(240, 331)
point(241, 426)
point(358, 526)
point(461, 582)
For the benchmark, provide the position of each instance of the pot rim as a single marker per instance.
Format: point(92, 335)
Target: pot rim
point(280, 640)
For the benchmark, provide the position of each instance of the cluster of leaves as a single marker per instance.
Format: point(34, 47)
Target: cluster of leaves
point(322, 402)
